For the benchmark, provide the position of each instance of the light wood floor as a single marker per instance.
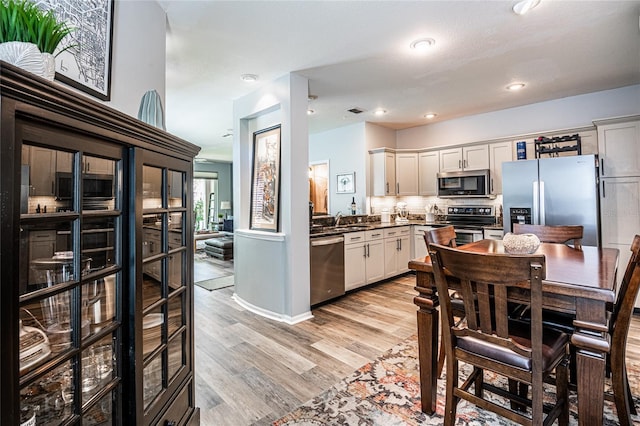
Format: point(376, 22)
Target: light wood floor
point(251, 370)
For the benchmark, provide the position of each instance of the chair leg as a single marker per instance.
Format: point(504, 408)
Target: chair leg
point(620, 386)
point(562, 391)
point(630, 402)
point(451, 401)
point(521, 389)
point(441, 357)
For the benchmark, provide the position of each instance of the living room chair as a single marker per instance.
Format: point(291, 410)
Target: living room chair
point(445, 236)
point(488, 340)
point(561, 234)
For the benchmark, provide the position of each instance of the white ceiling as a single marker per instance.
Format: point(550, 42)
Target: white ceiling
point(356, 54)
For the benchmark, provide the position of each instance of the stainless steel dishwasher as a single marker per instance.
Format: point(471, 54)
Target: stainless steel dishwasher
point(327, 268)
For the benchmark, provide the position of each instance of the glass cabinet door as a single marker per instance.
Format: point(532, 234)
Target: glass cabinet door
point(69, 280)
point(163, 287)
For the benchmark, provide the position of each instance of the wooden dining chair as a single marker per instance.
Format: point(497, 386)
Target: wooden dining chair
point(619, 323)
point(488, 340)
point(445, 236)
point(561, 234)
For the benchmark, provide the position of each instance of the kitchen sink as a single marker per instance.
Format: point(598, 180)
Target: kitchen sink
point(354, 227)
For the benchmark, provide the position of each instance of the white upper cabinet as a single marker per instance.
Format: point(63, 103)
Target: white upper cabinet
point(383, 173)
point(406, 173)
point(498, 154)
point(474, 157)
point(619, 149)
point(428, 168)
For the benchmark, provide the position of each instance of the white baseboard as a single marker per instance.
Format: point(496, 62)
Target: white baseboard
point(287, 319)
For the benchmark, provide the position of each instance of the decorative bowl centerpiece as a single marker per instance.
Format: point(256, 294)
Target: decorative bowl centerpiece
point(520, 243)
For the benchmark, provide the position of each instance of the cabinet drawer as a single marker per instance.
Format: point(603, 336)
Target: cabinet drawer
point(397, 232)
point(375, 234)
point(353, 237)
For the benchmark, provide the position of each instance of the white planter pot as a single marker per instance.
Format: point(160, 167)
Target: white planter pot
point(28, 57)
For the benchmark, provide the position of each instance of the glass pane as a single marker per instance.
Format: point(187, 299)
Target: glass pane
point(175, 188)
point(151, 235)
point(100, 413)
point(151, 187)
point(47, 247)
point(46, 180)
point(151, 290)
point(175, 313)
point(99, 303)
point(35, 346)
point(176, 357)
point(97, 367)
point(151, 331)
point(48, 400)
point(98, 183)
point(152, 380)
point(175, 265)
point(53, 315)
point(98, 241)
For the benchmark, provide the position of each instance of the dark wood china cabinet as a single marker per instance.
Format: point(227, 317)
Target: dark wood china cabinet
point(96, 296)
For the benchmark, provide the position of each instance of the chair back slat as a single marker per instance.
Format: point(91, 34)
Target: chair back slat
point(484, 307)
point(560, 234)
point(501, 311)
point(469, 303)
point(445, 236)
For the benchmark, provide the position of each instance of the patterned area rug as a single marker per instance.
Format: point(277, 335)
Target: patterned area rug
point(386, 392)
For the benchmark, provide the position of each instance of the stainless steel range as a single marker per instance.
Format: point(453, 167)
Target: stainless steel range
point(468, 221)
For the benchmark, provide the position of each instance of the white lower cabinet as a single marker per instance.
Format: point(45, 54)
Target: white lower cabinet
point(419, 244)
point(397, 250)
point(363, 258)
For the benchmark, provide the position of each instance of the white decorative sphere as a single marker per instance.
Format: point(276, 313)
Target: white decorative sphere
point(520, 243)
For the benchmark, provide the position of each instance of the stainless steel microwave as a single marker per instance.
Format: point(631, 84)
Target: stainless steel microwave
point(94, 187)
point(464, 184)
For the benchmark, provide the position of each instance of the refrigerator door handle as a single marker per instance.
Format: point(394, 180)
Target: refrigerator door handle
point(542, 212)
point(536, 204)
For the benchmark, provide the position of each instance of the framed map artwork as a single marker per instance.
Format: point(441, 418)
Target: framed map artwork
point(265, 182)
point(86, 65)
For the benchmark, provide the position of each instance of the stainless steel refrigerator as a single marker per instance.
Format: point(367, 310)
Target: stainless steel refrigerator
point(553, 191)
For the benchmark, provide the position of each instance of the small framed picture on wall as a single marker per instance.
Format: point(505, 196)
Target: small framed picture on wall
point(346, 183)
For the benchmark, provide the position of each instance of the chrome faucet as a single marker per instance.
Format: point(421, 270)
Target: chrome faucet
point(337, 219)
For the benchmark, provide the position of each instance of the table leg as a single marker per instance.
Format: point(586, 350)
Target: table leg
point(592, 347)
point(428, 321)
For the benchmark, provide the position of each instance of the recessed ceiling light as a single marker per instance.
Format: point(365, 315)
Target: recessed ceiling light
point(380, 112)
point(249, 78)
point(515, 86)
point(524, 6)
point(311, 111)
point(422, 44)
point(430, 115)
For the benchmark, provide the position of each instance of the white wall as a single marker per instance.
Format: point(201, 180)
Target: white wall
point(272, 268)
point(139, 54)
point(343, 148)
point(558, 114)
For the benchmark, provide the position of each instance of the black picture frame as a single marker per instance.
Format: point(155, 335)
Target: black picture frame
point(87, 69)
point(265, 180)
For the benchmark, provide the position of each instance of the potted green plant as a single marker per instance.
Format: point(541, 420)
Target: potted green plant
point(24, 25)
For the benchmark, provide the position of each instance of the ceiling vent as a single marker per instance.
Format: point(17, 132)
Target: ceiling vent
point(356, 110)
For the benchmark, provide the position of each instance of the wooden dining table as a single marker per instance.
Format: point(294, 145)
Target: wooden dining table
point(579, 282)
